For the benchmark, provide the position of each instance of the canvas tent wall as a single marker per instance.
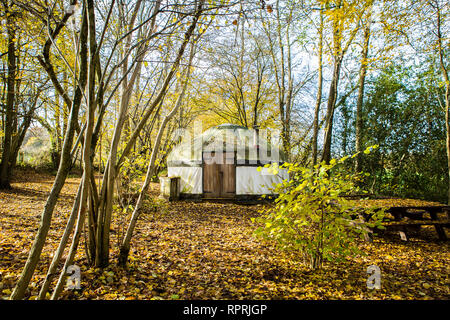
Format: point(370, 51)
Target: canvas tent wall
point(223, 163)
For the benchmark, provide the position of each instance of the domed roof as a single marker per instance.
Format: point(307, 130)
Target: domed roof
point(225, 138)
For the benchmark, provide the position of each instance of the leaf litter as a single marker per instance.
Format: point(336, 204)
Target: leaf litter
point(206, 250)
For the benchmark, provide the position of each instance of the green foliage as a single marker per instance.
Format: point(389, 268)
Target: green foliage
point(131, 176)
point(405, 119)
point(311, 217)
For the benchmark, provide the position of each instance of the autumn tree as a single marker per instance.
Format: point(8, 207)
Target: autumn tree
point(279, 25)
point(65, 161)
point(97, 82)
point(21, 92)
point(441, 13)
point(239, 89)
point(423, 28)
point(344, 21)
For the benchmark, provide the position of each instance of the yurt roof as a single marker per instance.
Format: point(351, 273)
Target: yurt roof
point(214, 139)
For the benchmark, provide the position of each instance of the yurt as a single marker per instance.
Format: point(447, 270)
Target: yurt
point(222, 163)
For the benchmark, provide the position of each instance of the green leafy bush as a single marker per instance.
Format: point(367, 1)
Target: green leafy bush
point(311, 217)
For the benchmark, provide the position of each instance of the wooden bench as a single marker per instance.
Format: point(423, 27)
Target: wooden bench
point(406, 226)
point(405, 219)
point(408, 218)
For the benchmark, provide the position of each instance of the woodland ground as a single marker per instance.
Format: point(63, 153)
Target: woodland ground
point(193, 250)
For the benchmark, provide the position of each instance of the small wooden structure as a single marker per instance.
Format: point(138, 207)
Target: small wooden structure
point(170, 188)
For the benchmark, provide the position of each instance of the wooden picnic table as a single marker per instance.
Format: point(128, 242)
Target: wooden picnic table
point(408, 215)
point(413, 217)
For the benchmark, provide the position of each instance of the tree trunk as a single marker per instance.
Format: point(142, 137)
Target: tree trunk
point(63, 170)
point(87, 152)
point(283, 73)
point(62, 245)
point(56, 140)
point(339, 50)
point(10, 101)
point(319, 94)
point(65, 107)
point(107, 191)
point(125, 247)
point(359, 102)
point(447, 126)
point(447, 89)
point(326, 155)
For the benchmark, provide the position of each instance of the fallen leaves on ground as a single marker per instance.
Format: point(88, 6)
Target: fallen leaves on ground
point(205, 250)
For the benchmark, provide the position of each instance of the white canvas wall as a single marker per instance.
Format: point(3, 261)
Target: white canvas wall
point(191, 178)
point(251, 181)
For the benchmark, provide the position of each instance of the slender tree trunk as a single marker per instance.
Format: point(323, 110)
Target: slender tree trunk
point(58, 125)
point(446, 77)
point(289, 97)
point(65, 107)
point(63, 170)
point(345, 128)
point(359, 102)
point(10, 101)
point(87, 151)
point(75, 239)
point(326, 155)
point(447, 94)
point(319, 94)
point(107, 191)
point(283, 74)
point(447, 127)
point(125, 247)
point(62, 245)
point(339, 50)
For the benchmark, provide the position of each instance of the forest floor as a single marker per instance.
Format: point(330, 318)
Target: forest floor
point(204, 250)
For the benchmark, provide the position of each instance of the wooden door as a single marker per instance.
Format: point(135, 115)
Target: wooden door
point(211, 178)
point(219, 175)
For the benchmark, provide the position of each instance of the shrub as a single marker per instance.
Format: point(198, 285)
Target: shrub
point(311, 217)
